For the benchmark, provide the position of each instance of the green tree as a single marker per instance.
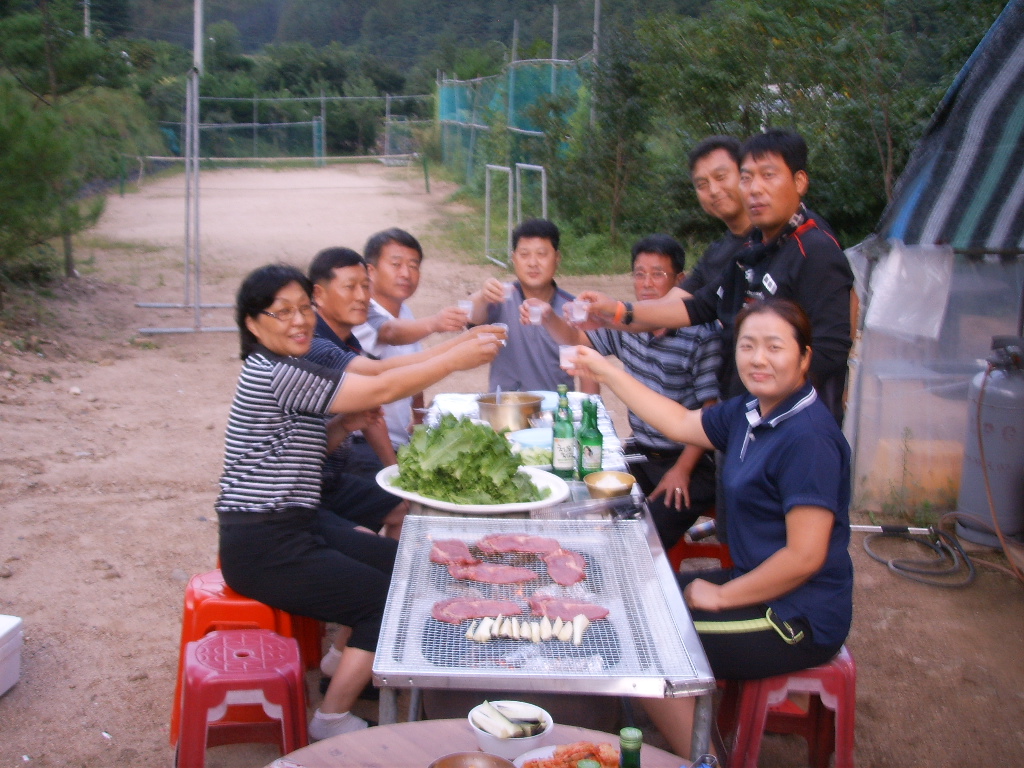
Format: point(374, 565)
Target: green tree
point(223, 51)
point(605, 168)
point(81, 126)
point(857, 77)
point(36, 155)
point(365, 115)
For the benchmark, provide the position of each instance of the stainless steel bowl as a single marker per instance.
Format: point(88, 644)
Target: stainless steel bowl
point(471, 760)
point(509, 410)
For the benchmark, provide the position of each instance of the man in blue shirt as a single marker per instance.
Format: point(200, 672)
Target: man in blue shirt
point(530, 359)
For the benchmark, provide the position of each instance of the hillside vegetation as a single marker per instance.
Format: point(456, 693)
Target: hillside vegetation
point(859, 78)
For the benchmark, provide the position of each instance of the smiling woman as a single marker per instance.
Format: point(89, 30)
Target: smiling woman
point(787, 603)
point(277, 544)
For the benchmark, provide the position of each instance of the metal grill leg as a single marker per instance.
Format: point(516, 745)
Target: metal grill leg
point(702, 713)
point(415, 704)
point(388, 706)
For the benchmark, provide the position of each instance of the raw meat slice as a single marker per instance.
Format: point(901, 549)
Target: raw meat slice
point(447, 551)
point(457, 609)
point(564, 608)
point(491, 573)
point(566, 567)
point(497, 543)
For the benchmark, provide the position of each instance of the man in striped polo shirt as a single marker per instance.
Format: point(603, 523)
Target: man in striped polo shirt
point(678, 480)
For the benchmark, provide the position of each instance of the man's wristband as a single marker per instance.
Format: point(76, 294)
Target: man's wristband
point(627, 316)
point(620, 310)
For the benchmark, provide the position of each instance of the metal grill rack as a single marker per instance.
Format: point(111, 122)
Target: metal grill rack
point(642, 648)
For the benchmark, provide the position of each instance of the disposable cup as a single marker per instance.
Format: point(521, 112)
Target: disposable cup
point(578, 311)
point(566, 355)
point(504, 327)
point(536, 314)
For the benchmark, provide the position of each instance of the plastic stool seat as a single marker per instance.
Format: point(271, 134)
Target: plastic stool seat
point(241, 668)
point(827, 724)
point(211, 605)
point(684, 550)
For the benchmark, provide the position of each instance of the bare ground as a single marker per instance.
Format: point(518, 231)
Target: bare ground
point(110, 449)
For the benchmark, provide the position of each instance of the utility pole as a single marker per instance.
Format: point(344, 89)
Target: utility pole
point(197, 36)
point(554, 47)
point(595, 46)
point(512, 72)
point(87, 30)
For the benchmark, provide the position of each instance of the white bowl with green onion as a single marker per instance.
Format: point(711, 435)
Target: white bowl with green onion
point(510, 728)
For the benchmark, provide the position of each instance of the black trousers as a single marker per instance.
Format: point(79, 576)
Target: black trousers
point(751, 643)
point(312, 563)
point(672, 523)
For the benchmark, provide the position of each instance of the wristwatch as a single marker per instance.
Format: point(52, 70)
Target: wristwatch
point(627, 318)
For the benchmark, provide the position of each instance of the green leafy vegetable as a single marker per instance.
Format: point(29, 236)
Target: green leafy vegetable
point(464, 463)
point(533, 457)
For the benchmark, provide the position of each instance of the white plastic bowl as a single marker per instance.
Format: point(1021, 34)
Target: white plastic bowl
point(512, 748)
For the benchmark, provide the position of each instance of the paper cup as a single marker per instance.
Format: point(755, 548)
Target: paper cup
point(566, 355)
point(579, 311)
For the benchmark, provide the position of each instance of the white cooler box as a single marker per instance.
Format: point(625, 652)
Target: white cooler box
point(10, 652)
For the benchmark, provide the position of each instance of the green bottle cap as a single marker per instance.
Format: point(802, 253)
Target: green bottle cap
point(631, 738)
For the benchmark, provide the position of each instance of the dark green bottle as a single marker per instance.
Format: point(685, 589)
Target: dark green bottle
point(563, 437)
point(630, 741)
point(590, 441)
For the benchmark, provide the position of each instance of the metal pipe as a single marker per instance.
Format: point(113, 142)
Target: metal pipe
point(890, 529)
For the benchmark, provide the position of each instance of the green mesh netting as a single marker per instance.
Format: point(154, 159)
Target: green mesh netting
point(468, 109)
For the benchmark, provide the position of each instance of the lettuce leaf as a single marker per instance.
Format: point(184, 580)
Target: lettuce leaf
point(464, 463)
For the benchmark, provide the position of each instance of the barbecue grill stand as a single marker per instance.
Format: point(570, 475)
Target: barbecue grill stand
point(647, 648)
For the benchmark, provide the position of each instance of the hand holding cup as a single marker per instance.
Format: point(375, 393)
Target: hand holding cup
point(532, 311)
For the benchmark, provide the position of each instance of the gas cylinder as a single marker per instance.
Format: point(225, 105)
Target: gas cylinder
point(1000, 389)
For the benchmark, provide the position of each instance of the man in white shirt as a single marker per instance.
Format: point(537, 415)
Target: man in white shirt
point(393, 258)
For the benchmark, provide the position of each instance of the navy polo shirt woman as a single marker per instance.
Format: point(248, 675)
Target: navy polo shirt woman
point(788, 602)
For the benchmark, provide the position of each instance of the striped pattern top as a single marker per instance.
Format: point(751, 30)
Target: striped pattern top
point(964, 183)
point(276, 438)
point(682, 365)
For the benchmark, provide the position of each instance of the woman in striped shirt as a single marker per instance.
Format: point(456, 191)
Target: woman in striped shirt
point(276, 545)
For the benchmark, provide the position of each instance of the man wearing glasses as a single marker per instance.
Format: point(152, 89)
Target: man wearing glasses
point(682, 364)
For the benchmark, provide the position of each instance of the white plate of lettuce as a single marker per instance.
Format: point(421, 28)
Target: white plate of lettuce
point(559, 492)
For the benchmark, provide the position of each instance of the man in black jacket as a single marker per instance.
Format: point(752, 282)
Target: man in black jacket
point(715, 173)
point(790, 254)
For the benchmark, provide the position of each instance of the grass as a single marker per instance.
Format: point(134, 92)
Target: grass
point(100, 243)
point(461, 236)
point(24, 310)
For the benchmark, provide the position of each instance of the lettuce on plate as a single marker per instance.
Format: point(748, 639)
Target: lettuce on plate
point(464, 463)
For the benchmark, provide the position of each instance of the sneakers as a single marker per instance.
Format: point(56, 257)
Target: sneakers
point(323, 726)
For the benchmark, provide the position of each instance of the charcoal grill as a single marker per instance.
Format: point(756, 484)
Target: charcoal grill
point(645, 647)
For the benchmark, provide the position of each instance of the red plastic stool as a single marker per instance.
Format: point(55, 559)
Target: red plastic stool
point(684, 550)
point(234, 669)
point(827, 724)
point(211, 605)
point(310, 635)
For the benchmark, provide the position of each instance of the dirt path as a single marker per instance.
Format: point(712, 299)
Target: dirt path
point(110, 449)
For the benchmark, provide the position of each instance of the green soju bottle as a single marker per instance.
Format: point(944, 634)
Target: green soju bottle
point(589, 441)
point(630, 741)
point(563, 440)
